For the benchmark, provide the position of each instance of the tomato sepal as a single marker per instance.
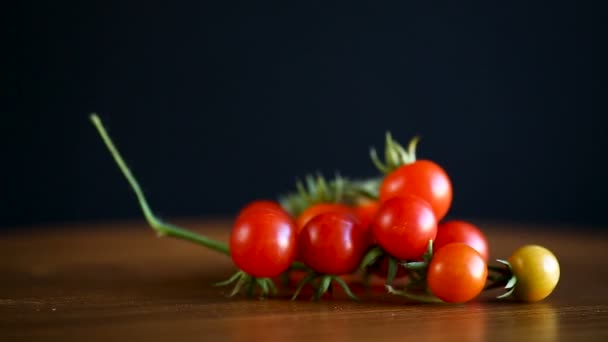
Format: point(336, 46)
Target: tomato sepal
point(371, 257)
point(421, 298)
point(394, 154)
point(248, 283)
point(503, 277)
point(317, 189)
point(321, 284)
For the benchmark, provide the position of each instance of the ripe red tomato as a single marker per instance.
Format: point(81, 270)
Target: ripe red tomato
point(332, 243)
point(457, 273)
point(263, 241)
point(404, 226)
point(424, 179)
point(366, 212)
point(461, 231)
point(261, 204)
point(321, 208)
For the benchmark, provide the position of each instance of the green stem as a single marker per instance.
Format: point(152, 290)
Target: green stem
point(494, 284)
point(412, 296)
point(498, 276)
point(298, 265)
point(163, 228)
point(498, 269)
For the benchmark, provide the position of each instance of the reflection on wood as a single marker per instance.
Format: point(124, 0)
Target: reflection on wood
point(100, 282)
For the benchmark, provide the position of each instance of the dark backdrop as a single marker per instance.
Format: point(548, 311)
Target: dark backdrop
point(218, 103)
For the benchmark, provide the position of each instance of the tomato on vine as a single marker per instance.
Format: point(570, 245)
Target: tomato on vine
point(457, 273)
point(332, 243)
point(263, 241)
point(261, 204)
point(366, 211)
point(413, 196)
point(422, 178)
point(536, 271)
point(404, 226)
point(320, 208)
point(461, 231)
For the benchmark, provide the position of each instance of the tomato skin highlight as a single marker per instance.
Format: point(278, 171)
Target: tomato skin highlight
point(263, 241)
point(457, 273)
point(422, 178)
point(537, 271)
point(261, 204)
point(404, 226)
point(320, 208)
point(332, 243)
point(461, 231)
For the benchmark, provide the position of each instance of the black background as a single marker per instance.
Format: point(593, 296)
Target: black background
point(219, 103)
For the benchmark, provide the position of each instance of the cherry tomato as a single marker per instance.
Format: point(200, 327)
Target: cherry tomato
point(404, 226)
point(332, 243)
point(457, 273)
point(321, 208)
point(263, 241)
point(424, 179)
point(366, 212)
point(461, 231)
point(261, 204)
point(537, 272)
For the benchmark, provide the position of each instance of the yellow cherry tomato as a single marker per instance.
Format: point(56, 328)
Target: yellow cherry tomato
point(537, 272)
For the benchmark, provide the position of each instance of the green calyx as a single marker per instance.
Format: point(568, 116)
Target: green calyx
point(244, 282)
point(395, 155)
point(421, 298)
point(501, 276)
point(416, 287)
point(321, 284)
point(317, 189)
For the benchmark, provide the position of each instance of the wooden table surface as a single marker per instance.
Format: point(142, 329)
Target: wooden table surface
point(118, 281)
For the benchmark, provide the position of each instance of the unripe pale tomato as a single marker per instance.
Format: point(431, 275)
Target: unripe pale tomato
point(537, 272)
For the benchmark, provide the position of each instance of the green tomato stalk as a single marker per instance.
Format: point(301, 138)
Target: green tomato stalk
point(337, 190)
point(161, 227)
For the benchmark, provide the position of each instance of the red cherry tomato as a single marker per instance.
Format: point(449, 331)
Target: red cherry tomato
point(404, 226)
point(424, 179)
point(457, 273)
point(332, 243)
point(321, 208)
point(366, 212)
point(263, 241)
point(461, 231)
point(261, 204)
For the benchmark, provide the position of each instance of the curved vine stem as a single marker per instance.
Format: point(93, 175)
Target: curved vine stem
point(413, 296)
point(161, 227)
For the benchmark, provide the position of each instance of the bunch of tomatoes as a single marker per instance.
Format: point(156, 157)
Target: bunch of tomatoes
point(389, 227)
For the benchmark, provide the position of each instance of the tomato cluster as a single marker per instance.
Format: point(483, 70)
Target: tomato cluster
point(332, 238)
point(399, 232)
point(391, 226)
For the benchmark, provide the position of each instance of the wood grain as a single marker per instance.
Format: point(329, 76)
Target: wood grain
point(117, 281)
